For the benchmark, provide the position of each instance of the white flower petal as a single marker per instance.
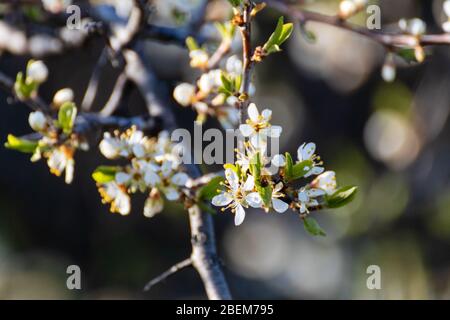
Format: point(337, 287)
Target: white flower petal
point(314, 171)
point(239, 215)
point(232, 179)
point(122, 177)
point(254, 200)
point(303, 196)
point(222, 199)
point(249, 184)
point(153, 207)
point(279, 206)
point(138, 150)
point(253, 113)
point(279, 160)
point(180, 179)
point(266, 114)
point(312, 193)
point(246, 130)
point(305, 152)
point(171, 194)
point(151, 178)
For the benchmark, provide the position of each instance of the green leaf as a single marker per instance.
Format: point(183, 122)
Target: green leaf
point(21, 145)
point(227, 84)
point(286, 32)
point(407, 54)
point(313, 227)
point(255, 168)
point(22, 89)
point(235, 3)
point(266, 194)
point(300, 169)
point(279, 36)
point(105, 174)
point(210, 190)
point(191, 44)
point(289, 165)
point(66, 117)
point(226, 29)
point(341, 197)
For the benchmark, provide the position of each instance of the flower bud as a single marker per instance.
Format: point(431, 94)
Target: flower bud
point(62, 96)
point(184, 93)
point(347, 8)
point(37, 72)
point(37, 121)
point(199, 58)
point(154, 204)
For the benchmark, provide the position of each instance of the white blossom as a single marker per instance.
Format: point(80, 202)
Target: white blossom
point(307, 152)
point(154, 204)
point(199, 58)
point(234, 66)
point(237, 196)
point(326, 182)
point(110, 147)
point(306, 198)
point(210, 81)
point(117, 196)
point(60, 159)
point(258, 127)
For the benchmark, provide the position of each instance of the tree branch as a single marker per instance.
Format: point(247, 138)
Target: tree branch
point(174, 269)
point(388, 40)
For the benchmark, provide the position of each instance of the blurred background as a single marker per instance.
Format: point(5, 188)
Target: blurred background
point(392, 140)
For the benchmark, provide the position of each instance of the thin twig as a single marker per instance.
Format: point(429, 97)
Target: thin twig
point(117, 96)
point(246, 34)
point(389, 40)
point(91, 91)
point(174, 269)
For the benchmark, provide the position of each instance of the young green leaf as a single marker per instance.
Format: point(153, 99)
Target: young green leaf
point(300, 169)
point(313, 227)
point(289, 165)
point(235, 3)
point(191, 44)
point(266, 194)
point(341, 197)
point(255, 168)
point(22, 89)
point(210, 190)
point(21, 145)
point(105, 174)
point(279, 36)
point(66, 117)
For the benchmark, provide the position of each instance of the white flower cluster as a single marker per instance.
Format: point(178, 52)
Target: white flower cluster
point(250, 183)
point(154, 168)
point(206, 97)
point(446, 24)
point(57, 150)
point(415, 26)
